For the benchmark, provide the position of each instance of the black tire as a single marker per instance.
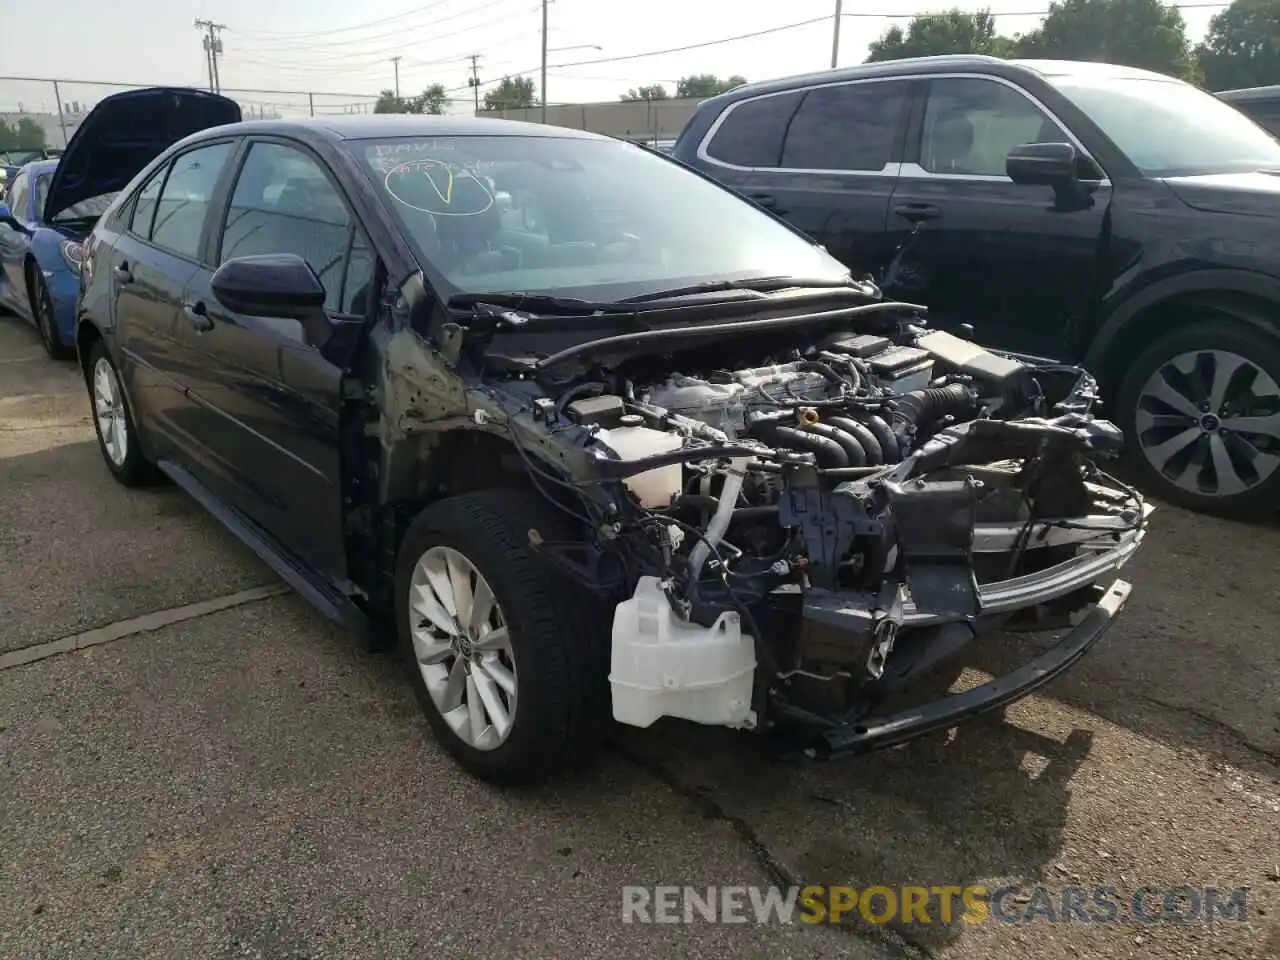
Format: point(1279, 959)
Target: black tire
point(1258, 499)
point(133, 470)
point(557, 630)
point(46, 323)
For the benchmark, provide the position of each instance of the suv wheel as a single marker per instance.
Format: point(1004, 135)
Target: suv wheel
point(508, 659)
point(1201, 412)
point(113, 421)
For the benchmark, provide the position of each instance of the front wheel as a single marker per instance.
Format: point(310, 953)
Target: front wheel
point(1200, 409)
point(508, 658)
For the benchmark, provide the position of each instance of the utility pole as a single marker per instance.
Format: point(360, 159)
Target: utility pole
point(543, 89)
point(473, 81)
point(212, 48)
point(396, 61)
point(835, 37)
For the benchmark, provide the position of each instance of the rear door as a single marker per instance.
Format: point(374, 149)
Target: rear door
point(270, 402)
point(156, 253)
point(835, 172)
point(1003, 257)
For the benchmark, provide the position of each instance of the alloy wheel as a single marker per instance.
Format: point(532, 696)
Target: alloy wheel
point(462, 647)
point(1209, 422)
point(109, 412)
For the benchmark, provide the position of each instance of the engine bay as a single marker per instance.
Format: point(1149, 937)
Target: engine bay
point(791, 524)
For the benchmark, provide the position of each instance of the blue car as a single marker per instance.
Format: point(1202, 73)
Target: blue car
point(49, 207)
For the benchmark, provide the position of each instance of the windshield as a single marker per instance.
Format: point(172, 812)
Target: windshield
point(19, 158)
point(1168, 128)
point(90, 209)
point(595, 219)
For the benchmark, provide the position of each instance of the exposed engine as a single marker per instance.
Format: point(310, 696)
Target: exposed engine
point(801, 535)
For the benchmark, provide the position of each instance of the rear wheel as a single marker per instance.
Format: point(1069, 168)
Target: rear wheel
point(114, 423)
point(1201, 413)
point(509, 660)
point(46, 319)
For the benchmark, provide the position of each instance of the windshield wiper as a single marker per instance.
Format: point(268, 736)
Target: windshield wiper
point(754, 284)
point(535, 302)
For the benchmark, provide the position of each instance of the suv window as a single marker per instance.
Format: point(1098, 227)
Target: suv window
point(971, 124)
point(184, 199)
point(18, 195)
point(751, 135)
point(284, 203)
point(847, 127)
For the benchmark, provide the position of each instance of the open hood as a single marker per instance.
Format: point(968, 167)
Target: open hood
point(124, 133)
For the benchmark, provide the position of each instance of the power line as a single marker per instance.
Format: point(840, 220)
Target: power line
point(359, 26)
point(289, 46)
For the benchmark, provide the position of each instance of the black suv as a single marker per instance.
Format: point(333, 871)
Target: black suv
point(1072, 210)
point(1259, 104)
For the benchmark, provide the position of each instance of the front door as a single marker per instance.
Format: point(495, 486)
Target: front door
point(274, 398)
point(1008, 259)
point(837, 167)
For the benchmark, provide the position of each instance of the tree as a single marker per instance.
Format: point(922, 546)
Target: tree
point(1242, 47)
point(951, 31)
point(25, 135)
point(431, 100)
point(655, 91)
point(1147, 34)
point(702, 85)
point(512, 93)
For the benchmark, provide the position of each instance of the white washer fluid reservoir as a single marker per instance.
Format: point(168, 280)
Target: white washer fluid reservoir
point(653, 488)
point(664, 667)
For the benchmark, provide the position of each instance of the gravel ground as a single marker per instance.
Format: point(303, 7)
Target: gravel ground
point(237, 779)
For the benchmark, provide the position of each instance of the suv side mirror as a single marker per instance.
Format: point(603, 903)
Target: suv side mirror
point(1042, 164)
point(281, 285)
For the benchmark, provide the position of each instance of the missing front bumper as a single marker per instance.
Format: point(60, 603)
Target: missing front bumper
point(875, 733)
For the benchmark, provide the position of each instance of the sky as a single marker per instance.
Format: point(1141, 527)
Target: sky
point(274, 54)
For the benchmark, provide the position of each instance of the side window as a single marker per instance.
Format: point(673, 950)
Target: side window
point(18, 195)
point(751, 135)
point(971, 124)
point(184, 199)
point(1265, 115)
point(853, 126)
point(144, 208)
point(284, 203)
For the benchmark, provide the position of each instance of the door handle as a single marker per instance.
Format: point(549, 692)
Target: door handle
point(198, 315)
point(123, 274)
point(766, 200)
point(917, 212)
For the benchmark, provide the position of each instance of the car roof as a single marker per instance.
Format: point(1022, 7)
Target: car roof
point(1246, 94)
point(945, 63)
point(387, 125)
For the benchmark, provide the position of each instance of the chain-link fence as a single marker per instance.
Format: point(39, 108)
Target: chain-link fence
point(647, 120)
point(45, 113)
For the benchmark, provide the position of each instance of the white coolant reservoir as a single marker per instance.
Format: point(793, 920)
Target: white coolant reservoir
point(653, 488)
point(664, 667)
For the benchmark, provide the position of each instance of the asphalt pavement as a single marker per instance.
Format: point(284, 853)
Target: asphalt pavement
point(193, 763)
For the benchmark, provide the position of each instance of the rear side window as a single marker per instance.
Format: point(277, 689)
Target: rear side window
point(144, 208)
point(185, 197)
point(1265, 115)
point(752, 132)
point(18, 194)
point(850, 127)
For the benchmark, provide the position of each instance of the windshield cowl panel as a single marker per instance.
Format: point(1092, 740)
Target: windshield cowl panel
point(576, 218)
point(1168, 128)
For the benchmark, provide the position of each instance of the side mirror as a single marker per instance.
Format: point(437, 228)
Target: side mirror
point(1042, 164)
point(280, 285)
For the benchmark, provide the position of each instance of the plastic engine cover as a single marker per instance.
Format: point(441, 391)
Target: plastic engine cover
point(664, 667)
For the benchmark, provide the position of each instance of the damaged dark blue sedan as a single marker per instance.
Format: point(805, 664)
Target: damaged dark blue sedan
point(591, 436)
